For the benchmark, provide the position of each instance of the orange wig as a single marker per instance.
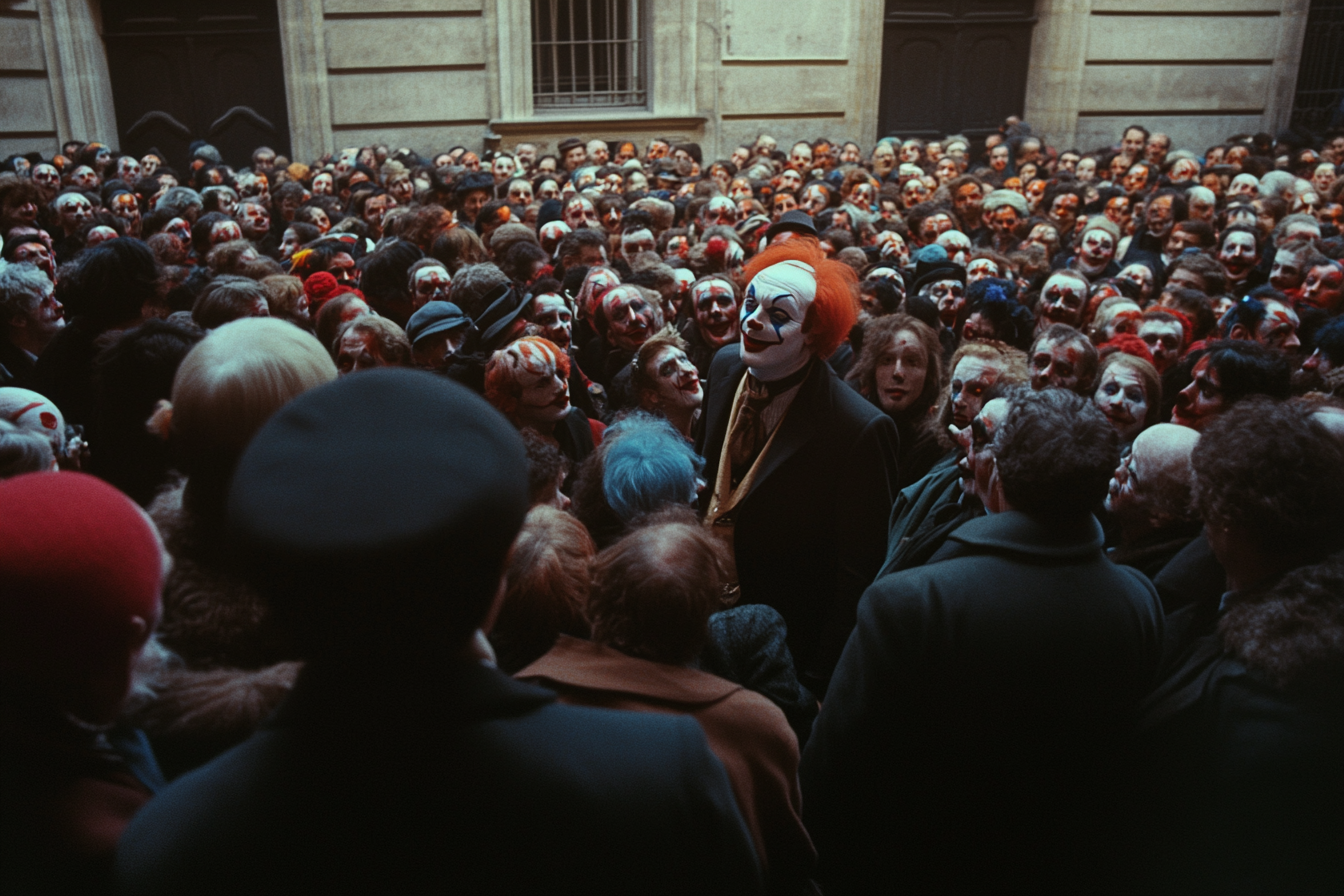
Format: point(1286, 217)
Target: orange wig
point(836, 308)
point(504, 374)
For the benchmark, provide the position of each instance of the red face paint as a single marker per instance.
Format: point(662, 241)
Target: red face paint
point(48, 419)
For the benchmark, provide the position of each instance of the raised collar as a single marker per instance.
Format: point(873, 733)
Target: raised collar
point(1018, 533)
point(583, 664)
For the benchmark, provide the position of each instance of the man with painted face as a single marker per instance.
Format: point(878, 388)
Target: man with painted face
point(1063, 358)
point(1063, 299)
point(1003, 213)
point(800, 468)
point(1149, 498)
point(1239, 254)
point(712, 319)
point(1094, 257)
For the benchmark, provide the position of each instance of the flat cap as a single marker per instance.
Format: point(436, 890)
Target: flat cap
point(435, 317)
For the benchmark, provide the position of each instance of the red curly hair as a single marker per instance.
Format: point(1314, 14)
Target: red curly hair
point(836, 308)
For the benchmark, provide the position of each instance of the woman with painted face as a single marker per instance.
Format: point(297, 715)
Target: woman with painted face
point(1129, 393)
point(900, 369)
point(528, 382)
point(709, 320)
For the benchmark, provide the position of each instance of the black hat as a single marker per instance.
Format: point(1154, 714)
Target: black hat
point(503, 304)
point(475, 180)
point(435, 317)
point(796, 221)
point(377, 510)
point(567, 144)
point(932, 271)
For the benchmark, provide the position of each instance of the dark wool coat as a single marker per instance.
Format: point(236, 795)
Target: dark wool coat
point(1241, 779)
point(450, 778)
point(959, 746)
point(811, 533)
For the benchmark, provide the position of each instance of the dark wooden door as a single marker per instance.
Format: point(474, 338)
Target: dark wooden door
point(953, 66)
point(190, 70)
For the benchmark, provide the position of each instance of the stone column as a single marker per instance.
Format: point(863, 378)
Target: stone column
point(304, 50)
point(81, 89)
point(1055, 78)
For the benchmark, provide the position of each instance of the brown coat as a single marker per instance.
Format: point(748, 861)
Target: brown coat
point(747, 732)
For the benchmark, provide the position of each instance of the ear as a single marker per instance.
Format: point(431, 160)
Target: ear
point(160, 423)
point(1239, 331)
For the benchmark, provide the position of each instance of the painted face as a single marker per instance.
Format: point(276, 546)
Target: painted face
point(45, 175)
point(49, 315)
point(579, 212)
point(1098, 249)
point(1045, 236)
point(1055, 365)
point(884, 159)
point(1202, 400)
point(36, 253)
point(715, 312)
point(1062, 301)
point(893, 248)
point(549, 190)
point(933, 226)
point(950, 297)
point(784, 202)
point(980, 268)
point(1121, 397)
point(149, 164)
point(914, 192)
point(85, 178)
point(678, 382)
point(545, 397)
point(358, 350)
point(1086, 170)
point(1141, 275)
point(74, 210)
point(1165, 340)
point(1244, 185)
point(773, 343)
point(403, 189)
point(790, 180)
point(1324, 288)
point(971, 377)
point(720, 211)
point(998, 158)
point(432, 284)
point(977, 440)
point(225, 231)
point(900, 373)
point(1238, 255)
point(503, 168)
point(1279, 328)
point(256, 221)
point(553, 317)
point(323, 184)
point(945, 170)
point(1064, 209)
point(630, 318)
point(1286, 273)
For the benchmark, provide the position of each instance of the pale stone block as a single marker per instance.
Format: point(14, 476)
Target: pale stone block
point(1188, 6)
point(412, 41)
point(21, 45)
point(801, 29)
point(1175, 38)
point(1196, 88)
point(47, 145)
point(374, 98)
point(785, 130)
point(784, 89)
point(339, 7)
point(1193, 132)
point(427, 141)
point(25, 104)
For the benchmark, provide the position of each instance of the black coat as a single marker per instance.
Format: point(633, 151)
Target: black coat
point(16, 368)
point(1240, 774)
point(959, 745)
point(812, 532)
point(469, 783)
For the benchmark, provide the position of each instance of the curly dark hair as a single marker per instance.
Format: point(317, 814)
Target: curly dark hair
point(1249, 368)
point(1269, 469)
point(1055, 453)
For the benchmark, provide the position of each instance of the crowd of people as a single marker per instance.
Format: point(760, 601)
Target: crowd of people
point(955, 515)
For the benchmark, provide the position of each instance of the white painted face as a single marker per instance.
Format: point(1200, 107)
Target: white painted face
point(777, 299)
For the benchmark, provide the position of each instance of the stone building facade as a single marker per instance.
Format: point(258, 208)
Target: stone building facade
point(430, 74)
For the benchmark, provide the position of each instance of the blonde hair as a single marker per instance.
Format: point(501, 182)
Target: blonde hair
point(234, 380)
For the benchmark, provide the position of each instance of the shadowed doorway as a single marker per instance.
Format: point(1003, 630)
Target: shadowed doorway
point(190, 70)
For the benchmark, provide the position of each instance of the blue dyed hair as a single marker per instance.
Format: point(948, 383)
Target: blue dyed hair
point(647, 466)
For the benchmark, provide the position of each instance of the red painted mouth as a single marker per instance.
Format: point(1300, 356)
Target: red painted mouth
point(755, 345)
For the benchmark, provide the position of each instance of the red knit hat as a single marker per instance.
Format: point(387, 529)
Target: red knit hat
point(1130, 345)
point(322, 287)
point(78, 559)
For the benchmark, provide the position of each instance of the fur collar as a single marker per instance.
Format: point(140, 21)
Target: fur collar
point(1293, 633)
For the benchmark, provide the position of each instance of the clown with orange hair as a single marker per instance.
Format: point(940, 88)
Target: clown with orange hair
point(801, 469)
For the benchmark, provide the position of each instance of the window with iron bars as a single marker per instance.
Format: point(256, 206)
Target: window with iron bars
point(588, 54)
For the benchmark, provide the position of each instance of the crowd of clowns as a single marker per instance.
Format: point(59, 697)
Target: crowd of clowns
point(936, 517)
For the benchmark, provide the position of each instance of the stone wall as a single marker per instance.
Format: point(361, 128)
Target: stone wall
point(1198, 70)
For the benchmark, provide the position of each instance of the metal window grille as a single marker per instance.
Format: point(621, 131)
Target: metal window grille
point(588, 53)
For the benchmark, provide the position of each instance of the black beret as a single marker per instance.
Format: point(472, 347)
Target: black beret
point(927, 272)
point(795, 220)
point(391, 476)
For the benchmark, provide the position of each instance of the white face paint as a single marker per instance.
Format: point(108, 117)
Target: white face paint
point(777, 299)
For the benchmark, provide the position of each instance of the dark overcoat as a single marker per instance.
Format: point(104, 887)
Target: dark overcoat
point(811, 533)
